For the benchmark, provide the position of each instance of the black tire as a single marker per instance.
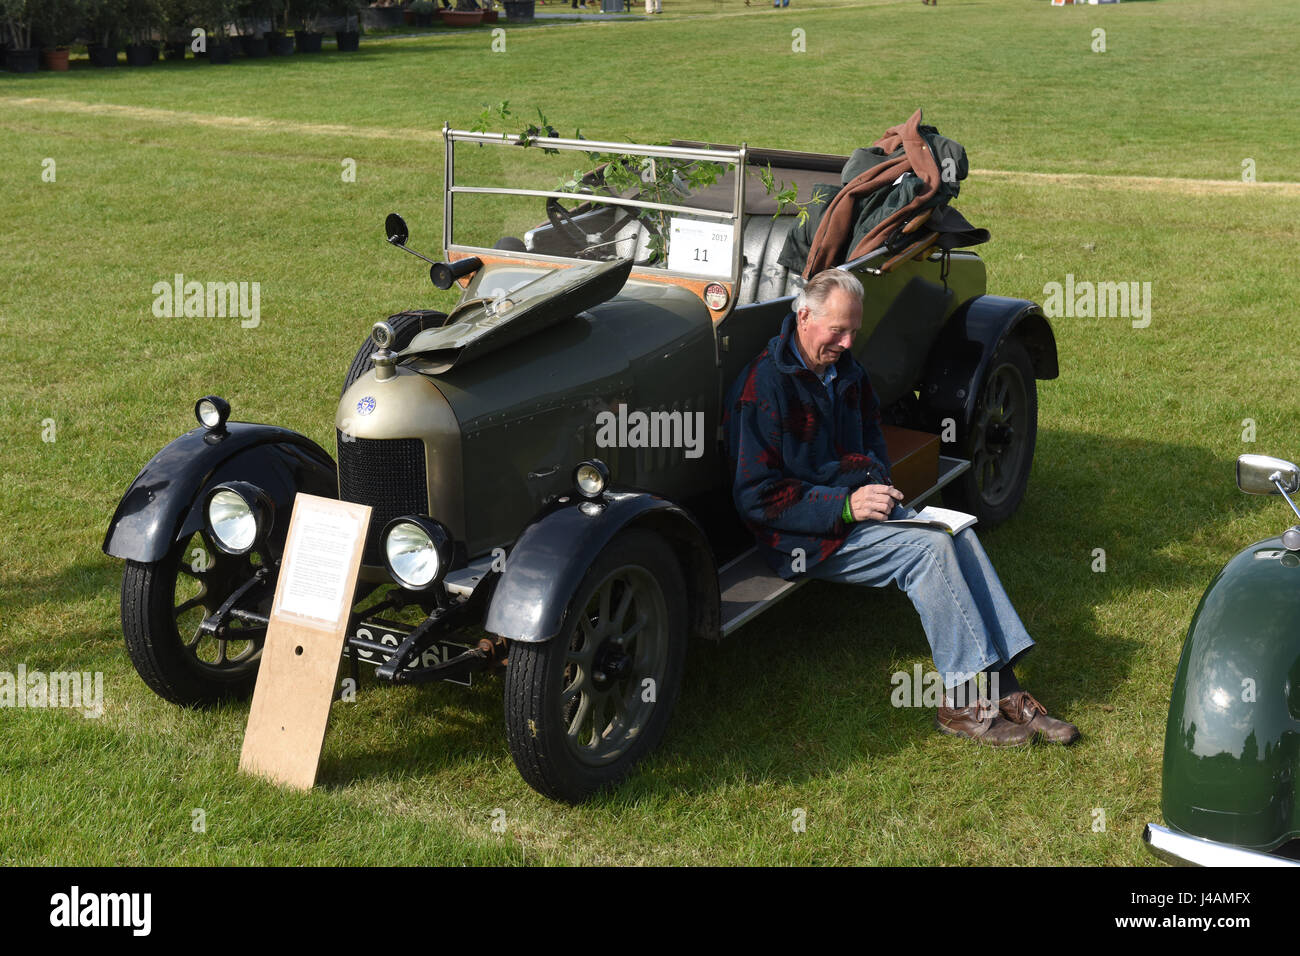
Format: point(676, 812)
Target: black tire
point(406, 325)
point(1000, 440)
point(162, 605)
point(574, 730)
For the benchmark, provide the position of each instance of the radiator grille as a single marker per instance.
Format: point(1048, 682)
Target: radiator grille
point(387, 474)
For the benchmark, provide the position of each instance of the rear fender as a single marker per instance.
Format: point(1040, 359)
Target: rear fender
point(962, 353)
point(165, 502)
point(546, 565)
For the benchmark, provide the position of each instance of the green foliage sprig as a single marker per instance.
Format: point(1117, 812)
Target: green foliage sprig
point(659, 180)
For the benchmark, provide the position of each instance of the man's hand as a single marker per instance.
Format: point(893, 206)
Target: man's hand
point(874, 502)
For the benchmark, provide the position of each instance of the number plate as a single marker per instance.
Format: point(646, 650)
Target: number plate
point(439, 653)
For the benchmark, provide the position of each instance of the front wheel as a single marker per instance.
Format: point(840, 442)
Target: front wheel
point(1000, 440)
point(163, 604)
point(583, 708)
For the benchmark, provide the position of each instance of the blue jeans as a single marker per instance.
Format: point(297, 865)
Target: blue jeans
point(967, 616)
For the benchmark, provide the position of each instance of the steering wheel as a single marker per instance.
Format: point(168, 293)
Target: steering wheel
point(590, 244)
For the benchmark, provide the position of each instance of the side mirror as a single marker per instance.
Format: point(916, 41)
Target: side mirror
point(1256, 474)
point(395, 229)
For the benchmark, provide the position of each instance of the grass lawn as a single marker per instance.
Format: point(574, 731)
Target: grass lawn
point(233, 173)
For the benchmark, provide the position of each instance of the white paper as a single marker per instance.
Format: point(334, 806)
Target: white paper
point(315, 569)
point(702, 248)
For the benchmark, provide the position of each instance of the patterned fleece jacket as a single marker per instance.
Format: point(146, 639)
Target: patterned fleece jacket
point(795, 462)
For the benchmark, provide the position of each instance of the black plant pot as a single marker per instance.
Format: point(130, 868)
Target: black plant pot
point(349, 41)
point(219, 53)
point(22, 61)
point(255, 47)
point(519, 9)
point(280, 44)
point(102, 55)
point(175, 51)
point(140, 54)
point(307, 42)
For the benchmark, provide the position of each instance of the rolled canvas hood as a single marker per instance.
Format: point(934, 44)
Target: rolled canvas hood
point(479, 326)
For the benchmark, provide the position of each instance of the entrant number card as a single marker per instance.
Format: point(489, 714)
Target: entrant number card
point(702, 248)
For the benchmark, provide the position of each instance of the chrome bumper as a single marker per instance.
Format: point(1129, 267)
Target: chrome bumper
point(1183, 850)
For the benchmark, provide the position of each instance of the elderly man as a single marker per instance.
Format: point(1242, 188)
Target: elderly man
point(812, 483)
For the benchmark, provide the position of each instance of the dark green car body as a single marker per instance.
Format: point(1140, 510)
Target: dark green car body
point(1233, 739)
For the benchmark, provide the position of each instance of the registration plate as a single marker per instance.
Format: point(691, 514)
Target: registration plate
point(438, 653)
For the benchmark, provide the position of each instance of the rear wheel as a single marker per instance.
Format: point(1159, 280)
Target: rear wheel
point(1000, 441)
point(583, 708)
point(163, 604)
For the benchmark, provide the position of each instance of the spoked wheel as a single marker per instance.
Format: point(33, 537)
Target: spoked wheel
point(583, 708)
point(163, 604)
point(1000, 442)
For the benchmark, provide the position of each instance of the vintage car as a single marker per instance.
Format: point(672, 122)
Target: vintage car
point(550, 494)
point(1230, 762)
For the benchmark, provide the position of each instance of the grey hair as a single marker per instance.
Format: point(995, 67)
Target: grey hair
point(813, 295)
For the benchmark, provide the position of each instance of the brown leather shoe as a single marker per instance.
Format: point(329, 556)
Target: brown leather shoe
point(982, 723)
point(1024, 710)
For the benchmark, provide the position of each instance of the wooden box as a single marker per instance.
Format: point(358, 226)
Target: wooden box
point(914, 459)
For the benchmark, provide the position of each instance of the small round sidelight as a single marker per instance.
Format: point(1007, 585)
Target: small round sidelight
point(212, 412)
point(591, 477)
point(417, 550)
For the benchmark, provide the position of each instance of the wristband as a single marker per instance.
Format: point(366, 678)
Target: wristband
point(847, 514)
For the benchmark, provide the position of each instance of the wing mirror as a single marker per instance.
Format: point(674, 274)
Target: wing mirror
point(441, 274)
point(395, 227)
point(1262, 475)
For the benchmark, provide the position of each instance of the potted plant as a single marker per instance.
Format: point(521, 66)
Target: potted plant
point(422, 12)
point(466, 14)
point(490, 13)
point(279, 39)
point(142, 18)
point(251, 16)
point(21, 56)
point(310, 14)
point(55, 26)
point(178, 17)
point(213, 17)
point(518, 9)
point(103, 25)
point(349, 37)
point(384, 15)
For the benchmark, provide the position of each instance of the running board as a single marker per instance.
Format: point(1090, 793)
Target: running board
point(749, 587)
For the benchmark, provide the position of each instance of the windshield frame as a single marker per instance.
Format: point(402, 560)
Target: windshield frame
point(735, 157)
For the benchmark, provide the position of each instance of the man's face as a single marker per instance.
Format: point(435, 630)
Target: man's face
point(824, 335)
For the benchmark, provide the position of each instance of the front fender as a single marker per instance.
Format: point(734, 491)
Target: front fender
point(164, 503)
point(964, 349)
point(1234, 718)
point(547, 563)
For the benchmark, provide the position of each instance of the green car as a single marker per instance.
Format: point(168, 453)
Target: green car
point(550, 497)
point(1231, 745)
